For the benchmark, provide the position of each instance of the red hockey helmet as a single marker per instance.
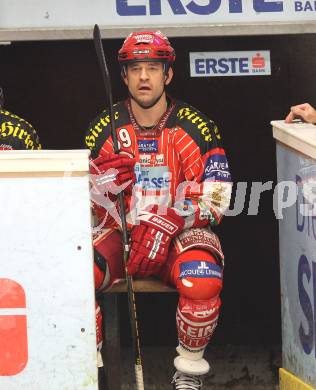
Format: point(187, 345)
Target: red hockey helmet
point(146, 46)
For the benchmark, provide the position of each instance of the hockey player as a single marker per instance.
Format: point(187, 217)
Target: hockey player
point(15, 132)
point(176, 184)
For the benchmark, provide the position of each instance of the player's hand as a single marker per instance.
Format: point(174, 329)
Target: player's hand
point(114, 168)
point(150, 240)
point(302, 111)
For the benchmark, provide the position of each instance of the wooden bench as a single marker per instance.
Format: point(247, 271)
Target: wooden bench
point(111, 346)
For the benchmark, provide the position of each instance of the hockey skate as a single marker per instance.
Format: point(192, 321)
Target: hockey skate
point(182, 381)
point(189, 373)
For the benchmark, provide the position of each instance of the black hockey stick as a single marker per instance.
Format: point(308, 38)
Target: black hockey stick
point(130, 289)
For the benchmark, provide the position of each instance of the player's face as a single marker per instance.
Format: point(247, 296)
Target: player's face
point(146, 81)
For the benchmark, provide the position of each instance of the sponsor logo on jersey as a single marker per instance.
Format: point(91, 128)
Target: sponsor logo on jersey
point(21, 132)
point(235, 63)
point(216, 168)
point(154, 178)
point(202, 124)
point(148, 146)
point(200, 269)
point(151, 159)
point(99, 128)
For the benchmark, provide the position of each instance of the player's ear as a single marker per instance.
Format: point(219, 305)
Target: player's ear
point(124, 78)
point(124, 74)
point(169, 76)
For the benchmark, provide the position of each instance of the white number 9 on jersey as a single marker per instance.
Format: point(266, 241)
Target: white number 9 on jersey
point(124, 138)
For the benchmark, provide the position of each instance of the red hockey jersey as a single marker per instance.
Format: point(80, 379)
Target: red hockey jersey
point(180, 162)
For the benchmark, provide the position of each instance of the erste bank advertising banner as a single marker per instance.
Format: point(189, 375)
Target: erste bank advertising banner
point(137, 13)
point(230, 63)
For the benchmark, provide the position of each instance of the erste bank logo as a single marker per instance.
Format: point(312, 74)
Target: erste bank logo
point(182, 7)
point(257, 9)
point(234, 63)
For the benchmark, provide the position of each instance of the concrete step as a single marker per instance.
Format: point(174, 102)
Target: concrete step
point(233, 367)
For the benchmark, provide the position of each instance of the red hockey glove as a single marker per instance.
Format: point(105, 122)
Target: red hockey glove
point(103, 165)
point(151, 239)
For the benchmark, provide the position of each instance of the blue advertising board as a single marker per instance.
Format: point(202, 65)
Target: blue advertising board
point(75, 18)
point(297, 232)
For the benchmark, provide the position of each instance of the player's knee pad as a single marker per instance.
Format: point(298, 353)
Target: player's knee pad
point(108, 258)
point(197, 275)
point(199, 282)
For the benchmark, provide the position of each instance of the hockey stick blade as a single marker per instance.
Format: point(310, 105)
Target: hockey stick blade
point(130, 290)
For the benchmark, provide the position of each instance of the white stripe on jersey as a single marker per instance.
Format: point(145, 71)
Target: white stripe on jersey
point(184, 135)
point(103, 147)
point(197, 148)
point(194, 163)
point(186, 146)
